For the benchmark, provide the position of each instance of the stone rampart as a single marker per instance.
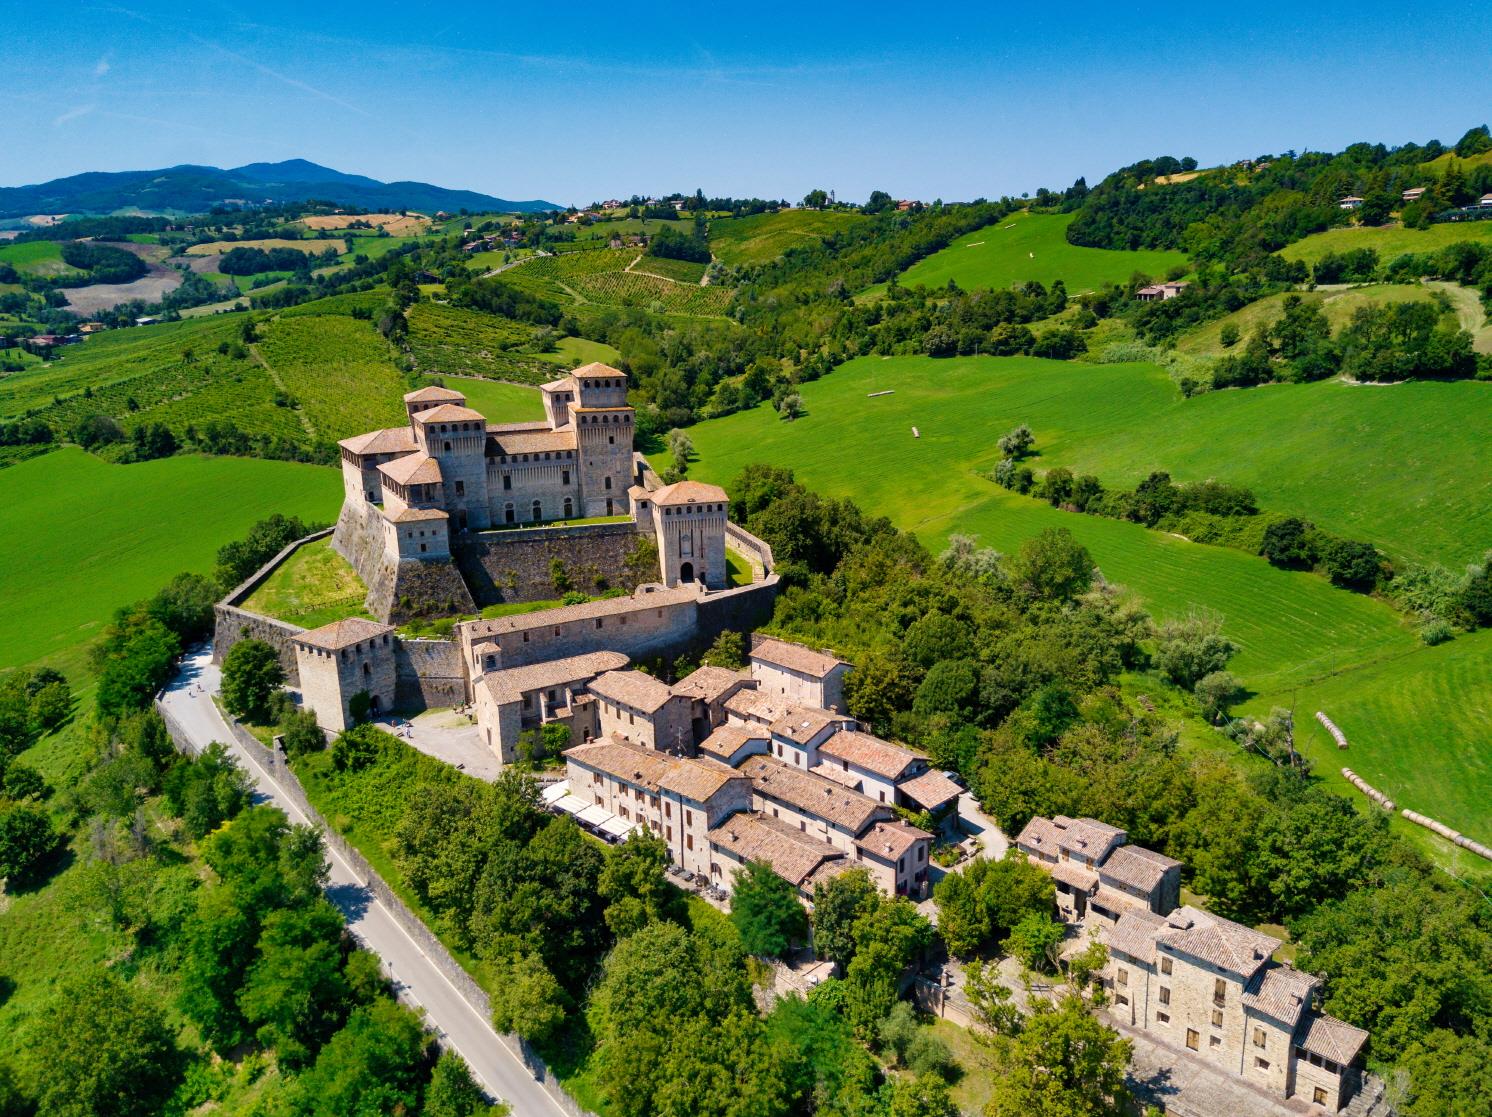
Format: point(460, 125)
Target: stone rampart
point(233, 624)
point(739, 610)
point(431, 588)
point(427, 674)
point(517, 564)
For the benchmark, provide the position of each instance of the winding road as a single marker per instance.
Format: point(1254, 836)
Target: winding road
point(460, 1026)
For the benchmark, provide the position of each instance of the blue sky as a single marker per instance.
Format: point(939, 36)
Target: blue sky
point(572, 103)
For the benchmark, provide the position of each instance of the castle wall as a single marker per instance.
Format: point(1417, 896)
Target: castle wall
point(639, 627)
point(520, 479)
point(428, 674)
point(741, 609)
point(233, 624)
point(514, 565)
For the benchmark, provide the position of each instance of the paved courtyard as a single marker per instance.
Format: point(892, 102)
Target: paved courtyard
point(447, 735)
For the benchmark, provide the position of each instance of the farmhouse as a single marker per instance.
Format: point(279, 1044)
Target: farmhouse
point(1195, 979)
point(1413, 194)
point(1351, 201)
point(1160, 291)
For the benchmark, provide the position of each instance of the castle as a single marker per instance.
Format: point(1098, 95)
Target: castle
point(435, 505)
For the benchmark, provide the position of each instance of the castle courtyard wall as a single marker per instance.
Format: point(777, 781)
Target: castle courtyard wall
point(428, 674)
point(515, 565)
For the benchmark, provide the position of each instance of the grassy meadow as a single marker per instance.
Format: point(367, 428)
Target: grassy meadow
point(1387, 240)
point(80, 537)
point(315, 586)
point(763, 237)
point(1032, 246)
point(37, 257)
point(1336, 303)
point(499, 402)
point(1302, 642)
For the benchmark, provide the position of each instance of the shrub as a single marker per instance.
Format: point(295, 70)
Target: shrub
point(356, 748)
point(1436, 632)
point(1190, 649)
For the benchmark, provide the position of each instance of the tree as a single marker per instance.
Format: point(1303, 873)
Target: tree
point(897, 1031)
point(680, 449)
point(1476, 141)
point(924, 1096)
point(295, 994)
point(1063, 1062)
point(815, 199)
point(994, 1009)
point(101, 1049)
point(1034, 942)
point(633, 883)
point(1016, 443)
point(375, 1064)
point(765, 909)
point(356, 748)
point(208, 789)
point(300, 734)
point(1052, 566)
point(1217, 692)
point(839, 903)
point(728, 650)
point(527, 1000)
point(791, 407)
point(452, 1091)
point(1353, 565)
point(1287, 543)
point(251, 673)
point(27, 839)
point(1191, 648)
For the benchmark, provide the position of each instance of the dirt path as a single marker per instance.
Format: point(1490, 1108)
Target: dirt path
point(514, 263)
point(1469, 312)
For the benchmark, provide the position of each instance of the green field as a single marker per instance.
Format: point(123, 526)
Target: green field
point(572, 352)
point(341, 370)
point(313, 587)
point(1338, 305)
point(680, 271)
point(763, 237)
point(499, 402)
point(1387, 240)
point(601, 278)
point(79, 537)
point(1301, 640)
point(1032, 246)
point(37, 257)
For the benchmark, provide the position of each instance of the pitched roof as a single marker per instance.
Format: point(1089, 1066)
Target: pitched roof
point(793, 855)
point(811, 794)
point(1331, 1038)
point(1134, 934)
point(564, 614)
point(890, 840)
point(1217, 941)
point(871, 753)
point(726, 740)
point(688, 492)
point(801, 724)
point(758, 706)
point(393, 440)
point(563, 384)
point(698, 779)
point(1074, 875)
point(594, 369)
point(414, 469)
point(1137, 867)
point(1280, 992)
point(930, 790)
point(1086, 837)
point(343, 634)
point(640, 691)
point(533, 441)
point(509, 685)
point(411, 515)
point(653, 771)
point(795, 657)
point(449, 413)
point(1040, 835)
point(709, 683)
point(432, 393)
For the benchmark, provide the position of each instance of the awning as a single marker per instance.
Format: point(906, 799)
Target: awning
point(593, 815)
point(554, 792)
point(617, 828)
point(572, 804)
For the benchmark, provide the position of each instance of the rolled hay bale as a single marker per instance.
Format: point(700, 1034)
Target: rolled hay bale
point(1455, 837)
point(1368, 789)
point(1331, 727)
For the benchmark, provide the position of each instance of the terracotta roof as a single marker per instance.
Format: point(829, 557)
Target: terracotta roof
point(535, 441)
point(563, 384)
point(709, 683)
point(726, 740)
point(891, 840)
point(343, 634)
point(594, 369)
point(811, 794)
point(1073, 875)
point(1137, 867)
point(795, 657)
point(793, 855)
point(801, 724)
point(1134, 934)
point(1331, 1038)
point(431, 393)
point(394, 440)
point(698, 779)
point(414, 469)
point(630, 763)
point(757, 706)
point(930, 790)
point(871, 753)
point(1040, 835)
point(510, 684)
point(1086, 837)
point(450, 413)
point(1217, 941)
point(1280, 992)
point(526, 425)
point(604, 607)
point(688, 492)
point(410, 515)
point(640, 691)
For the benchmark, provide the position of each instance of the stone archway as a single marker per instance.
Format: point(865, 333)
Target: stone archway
point(686, 572)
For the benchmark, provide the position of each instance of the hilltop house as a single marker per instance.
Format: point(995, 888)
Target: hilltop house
point(1160, 291)
point(1351, 201)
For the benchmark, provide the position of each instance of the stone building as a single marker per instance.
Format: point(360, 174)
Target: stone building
point(801, 675)
point(643, 710)
point(506, 703)
point(341, 660)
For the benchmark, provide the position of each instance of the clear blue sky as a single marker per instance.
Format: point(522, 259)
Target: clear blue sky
point(570, 102)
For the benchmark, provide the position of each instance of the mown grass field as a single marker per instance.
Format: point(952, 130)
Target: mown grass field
point(310, 244)
point(1337, 304)
point(1302, 642)
point(763, 237)
point(1387, 240)
point(315, 586)
point(501, 403)
point(572, 352)
point(1032, 246)
point(1344, 456)
point(37, 257)
point(341, 370)
point(79, 537)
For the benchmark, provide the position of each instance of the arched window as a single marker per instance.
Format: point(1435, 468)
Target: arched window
point(538, 511)
point(508, 514)
point(569, 508)
point(448, 446)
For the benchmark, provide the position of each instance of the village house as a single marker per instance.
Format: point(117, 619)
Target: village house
point(1160, 291)
point(643, 710)
point(1351, 201)
point(506, 703)
point(1413, 194)
point(708, 689)
point(801, 674)
point(801, 860)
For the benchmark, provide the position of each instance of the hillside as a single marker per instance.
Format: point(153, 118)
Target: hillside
point(194, 189)
point(1388, 240)
point(1033, 247)
point(763, 237)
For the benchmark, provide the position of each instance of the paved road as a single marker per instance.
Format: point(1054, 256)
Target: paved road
point(419, 982)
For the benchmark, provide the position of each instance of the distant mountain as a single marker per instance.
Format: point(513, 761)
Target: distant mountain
point(192, 189)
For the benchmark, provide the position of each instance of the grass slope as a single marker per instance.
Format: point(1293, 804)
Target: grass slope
point(314, 587)
point(501, 403)
point(37, 257)
point(79, 537)
point(1337, 303)
point(340, 369)
point(1387, 240)
point(765, 236)
point(1344, 456)
point(1032, 246)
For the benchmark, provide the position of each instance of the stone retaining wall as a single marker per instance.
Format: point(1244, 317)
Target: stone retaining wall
point(516, 565)
point(427, 674)
point(273, 762)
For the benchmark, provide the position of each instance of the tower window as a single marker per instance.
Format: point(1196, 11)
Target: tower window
point(564, 477)
point(507, 480)
point(608, 483)
point(611, 438)
point(448, 446)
